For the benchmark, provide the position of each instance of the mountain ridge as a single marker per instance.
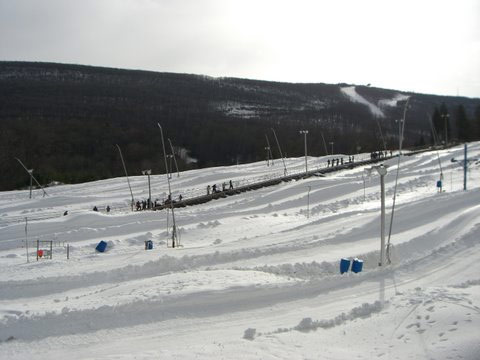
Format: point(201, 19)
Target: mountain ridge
point(65, 119)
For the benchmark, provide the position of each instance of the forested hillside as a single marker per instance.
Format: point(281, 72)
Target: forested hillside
point(65, 120)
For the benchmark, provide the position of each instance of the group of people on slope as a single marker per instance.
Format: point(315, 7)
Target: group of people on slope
point(107, 209)
point(213, 189)
point(380, 154)
point(339, 161)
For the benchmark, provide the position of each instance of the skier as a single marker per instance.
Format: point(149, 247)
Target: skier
point(231, 185)
point(108, 208)
point(214, 188)
point(208, 190)
point(95, 208)
point(328, 163)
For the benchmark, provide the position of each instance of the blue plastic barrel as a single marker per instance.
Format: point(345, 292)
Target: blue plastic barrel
point(148, 245)
point(357, 265)
point(344, 265)
point(102, 245)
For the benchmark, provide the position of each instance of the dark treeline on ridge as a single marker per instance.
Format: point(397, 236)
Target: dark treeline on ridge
point(65, 120)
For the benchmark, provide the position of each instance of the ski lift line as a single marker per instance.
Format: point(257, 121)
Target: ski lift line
point(254, 184)
point(402, 126)
point(31, 175)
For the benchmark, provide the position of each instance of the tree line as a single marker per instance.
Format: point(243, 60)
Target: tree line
point(65, 120)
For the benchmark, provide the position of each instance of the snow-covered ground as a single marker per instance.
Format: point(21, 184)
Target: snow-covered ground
point(257, 276)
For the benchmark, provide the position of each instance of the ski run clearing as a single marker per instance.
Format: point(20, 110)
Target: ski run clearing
point(257, 276)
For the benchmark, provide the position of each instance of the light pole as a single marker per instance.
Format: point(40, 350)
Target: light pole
point(382, 171)
point(305, 132)
point(148, 173)
point(445, 118)
point(268, 155)
point(170, 156)
point(466, 161)
point(30, 171)
point(331, 143)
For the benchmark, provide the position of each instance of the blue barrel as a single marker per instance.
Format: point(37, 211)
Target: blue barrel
point(344, 265)
point(102, 245)
point(357, 265)
point(148, 245)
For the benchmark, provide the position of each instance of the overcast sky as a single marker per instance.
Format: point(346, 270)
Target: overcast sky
point(426, 46)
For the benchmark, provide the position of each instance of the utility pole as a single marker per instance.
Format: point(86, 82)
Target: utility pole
point(281, 155)
point(174, 159)
point(26, 237)
point(174, 227)
point(148, 173)
point(126, 174)
point(305, 132)
point(30, 171)
point(382, 171)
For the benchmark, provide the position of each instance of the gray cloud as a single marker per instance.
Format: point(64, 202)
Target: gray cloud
point(405, 46)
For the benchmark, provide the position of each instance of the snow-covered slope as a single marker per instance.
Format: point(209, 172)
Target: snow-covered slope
point(257, 276)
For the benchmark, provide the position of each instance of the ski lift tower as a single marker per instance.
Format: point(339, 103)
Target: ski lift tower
point(382, 171)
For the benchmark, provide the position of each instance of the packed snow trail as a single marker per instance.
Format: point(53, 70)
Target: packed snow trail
point(256, 275)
